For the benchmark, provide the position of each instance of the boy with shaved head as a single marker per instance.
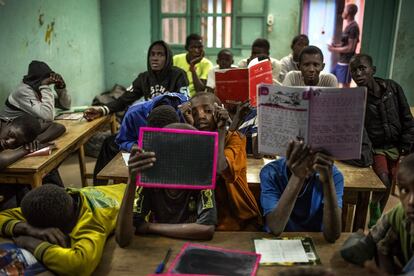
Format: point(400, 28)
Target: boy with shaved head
point(236, 204)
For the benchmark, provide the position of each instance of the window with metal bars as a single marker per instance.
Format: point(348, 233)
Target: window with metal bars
point(230, 24)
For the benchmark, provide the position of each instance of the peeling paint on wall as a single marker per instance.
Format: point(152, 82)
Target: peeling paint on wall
point(49, 32)
point(40, 19)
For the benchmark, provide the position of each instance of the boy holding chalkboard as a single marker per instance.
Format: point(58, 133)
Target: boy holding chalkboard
point(236, 204)
point(187, 214)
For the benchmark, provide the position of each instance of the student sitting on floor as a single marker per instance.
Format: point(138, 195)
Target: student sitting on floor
point(34, 96)
point(224, 61)
point(187, 214)
point(261, 49)
point(302, 192)
point(66, 230)
point(194, 63)
point(310, 66)
point(19, 137)
point(389, 124)
point(236, 204)
point(392, 235)
point(291, 61)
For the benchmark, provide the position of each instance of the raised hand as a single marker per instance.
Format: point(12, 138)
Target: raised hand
point(92, 113)
point(322, 163)
point(185, 109)
point(139, 161)
point(58, 81)
point(299, 159)
point(221, 116)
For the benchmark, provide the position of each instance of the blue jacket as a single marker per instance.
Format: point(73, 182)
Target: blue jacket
point(137, 115)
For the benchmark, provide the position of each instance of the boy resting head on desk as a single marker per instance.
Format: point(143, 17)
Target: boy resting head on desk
point(187, 214)
point(302, 193)
point(18, 137)
point(236, 204)
point(66, 230)
point(34, 96)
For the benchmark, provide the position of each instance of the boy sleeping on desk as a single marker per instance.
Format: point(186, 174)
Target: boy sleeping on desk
point(18, 137)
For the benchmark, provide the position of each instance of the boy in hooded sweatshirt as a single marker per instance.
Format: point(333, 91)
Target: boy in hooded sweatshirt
point(34, 96)
point(162, 77)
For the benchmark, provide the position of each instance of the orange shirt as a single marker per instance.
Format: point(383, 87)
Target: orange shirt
point(236, 205)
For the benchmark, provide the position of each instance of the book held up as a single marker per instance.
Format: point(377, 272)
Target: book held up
point(328, 119)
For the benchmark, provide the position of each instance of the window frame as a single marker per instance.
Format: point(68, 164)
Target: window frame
point(193, 23)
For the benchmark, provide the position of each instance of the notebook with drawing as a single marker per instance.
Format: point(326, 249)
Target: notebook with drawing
point(287, 251)
point(185, 159)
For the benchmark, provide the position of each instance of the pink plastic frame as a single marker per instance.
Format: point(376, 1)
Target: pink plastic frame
point(188, 244)
point(178, 185)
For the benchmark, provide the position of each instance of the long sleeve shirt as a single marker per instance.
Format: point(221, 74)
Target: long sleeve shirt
point(99, 208)
point(41, 105)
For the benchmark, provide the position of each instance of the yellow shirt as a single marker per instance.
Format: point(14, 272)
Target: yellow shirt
point(202, 69)
point(99, 208)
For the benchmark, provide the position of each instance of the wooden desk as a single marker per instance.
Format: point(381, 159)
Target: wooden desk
point(31, 170)
point(359, 183)
point(146, 252)
point(412, 110)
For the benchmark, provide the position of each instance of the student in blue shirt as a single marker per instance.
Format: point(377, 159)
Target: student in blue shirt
point(302, 192)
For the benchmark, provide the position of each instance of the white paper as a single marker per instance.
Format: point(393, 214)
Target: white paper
point(125, 156)
point(283, 116)
point(281, 251)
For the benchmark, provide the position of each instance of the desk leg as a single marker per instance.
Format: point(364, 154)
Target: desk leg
point(37, 181)
point(113, 123)
point(82, 165)
point(361, 210)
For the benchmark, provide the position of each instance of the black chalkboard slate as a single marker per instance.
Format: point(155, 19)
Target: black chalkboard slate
point(186, 159)
point(207, 260)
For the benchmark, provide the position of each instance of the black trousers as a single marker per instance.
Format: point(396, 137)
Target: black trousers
point(108, 151)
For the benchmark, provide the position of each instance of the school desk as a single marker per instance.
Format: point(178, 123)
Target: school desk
point(359, 183)
point(31, 170)
point(143, 255)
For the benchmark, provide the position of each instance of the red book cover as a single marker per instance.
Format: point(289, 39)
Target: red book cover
point(232, 85)
point(259, 72)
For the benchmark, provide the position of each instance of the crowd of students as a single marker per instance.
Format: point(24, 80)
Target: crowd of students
point(300, 192)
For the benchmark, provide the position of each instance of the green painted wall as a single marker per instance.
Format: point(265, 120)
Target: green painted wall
point(73, 48)
point(126, 37)
point(126, 28)
point(403, 66)
point(287, 19)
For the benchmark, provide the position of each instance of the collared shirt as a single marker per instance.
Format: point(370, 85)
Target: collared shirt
point(307, 213)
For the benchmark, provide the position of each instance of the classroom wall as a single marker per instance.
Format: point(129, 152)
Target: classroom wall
point(126, 36)
point(126, 28)
point(64, 34)
point(403, 64)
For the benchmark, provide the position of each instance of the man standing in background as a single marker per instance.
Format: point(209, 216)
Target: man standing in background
point(346, 50)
